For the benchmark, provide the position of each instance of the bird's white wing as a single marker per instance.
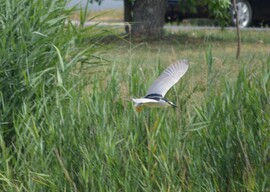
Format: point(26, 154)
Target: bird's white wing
point(144, 100)
point(168, 78)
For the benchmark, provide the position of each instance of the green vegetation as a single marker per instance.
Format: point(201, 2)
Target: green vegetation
point(65, 123)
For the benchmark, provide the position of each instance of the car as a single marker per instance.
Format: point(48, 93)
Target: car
point(249, 11)
point(176, 13)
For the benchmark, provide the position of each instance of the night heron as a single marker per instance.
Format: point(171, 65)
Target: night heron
point(155, 94)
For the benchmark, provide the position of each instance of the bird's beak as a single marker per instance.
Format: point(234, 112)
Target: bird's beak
point(173, 105)
point(138, 108)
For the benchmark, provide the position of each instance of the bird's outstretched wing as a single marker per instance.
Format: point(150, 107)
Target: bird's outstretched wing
point(168, 78)
point(144, 100)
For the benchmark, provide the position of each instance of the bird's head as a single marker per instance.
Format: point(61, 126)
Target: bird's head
point(172, 104)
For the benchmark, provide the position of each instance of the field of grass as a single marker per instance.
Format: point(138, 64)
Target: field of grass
point(115, 15)
point(66, 123)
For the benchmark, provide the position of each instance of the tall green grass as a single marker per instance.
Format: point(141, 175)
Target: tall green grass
point(39, 65)
point(57, 134)
point(234, 147)
point(38, 51)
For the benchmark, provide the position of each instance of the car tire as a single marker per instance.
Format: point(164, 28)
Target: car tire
point(244, 13)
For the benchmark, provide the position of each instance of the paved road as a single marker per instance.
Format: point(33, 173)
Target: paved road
point(105, 5)
point(176, 27)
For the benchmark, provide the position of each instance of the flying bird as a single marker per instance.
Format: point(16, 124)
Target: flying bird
point(155, 94)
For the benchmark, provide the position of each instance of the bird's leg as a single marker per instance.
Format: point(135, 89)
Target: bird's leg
point(138, 108)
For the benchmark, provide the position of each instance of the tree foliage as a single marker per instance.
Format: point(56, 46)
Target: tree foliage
point(219, 9)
